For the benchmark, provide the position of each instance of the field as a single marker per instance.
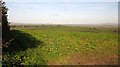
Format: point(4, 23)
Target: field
point(62, 45)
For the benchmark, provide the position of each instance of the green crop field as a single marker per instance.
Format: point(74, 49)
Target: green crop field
point(61, 45)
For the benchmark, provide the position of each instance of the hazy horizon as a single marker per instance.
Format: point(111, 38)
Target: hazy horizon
point(23, 23)
point(63, 12)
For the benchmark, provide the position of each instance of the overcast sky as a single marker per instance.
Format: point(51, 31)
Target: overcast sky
point(63, 11)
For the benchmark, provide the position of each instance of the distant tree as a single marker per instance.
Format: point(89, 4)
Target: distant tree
point(90, 28)
point(94, 28)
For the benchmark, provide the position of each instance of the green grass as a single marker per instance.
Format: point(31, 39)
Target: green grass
point(59, 42)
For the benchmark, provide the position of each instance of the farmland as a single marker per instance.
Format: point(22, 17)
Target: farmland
point(62, 45)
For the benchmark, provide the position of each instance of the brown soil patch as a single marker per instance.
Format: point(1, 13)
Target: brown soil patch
point(86, 60)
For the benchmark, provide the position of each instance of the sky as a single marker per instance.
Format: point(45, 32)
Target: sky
point(61, 0)
point(62, 11)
